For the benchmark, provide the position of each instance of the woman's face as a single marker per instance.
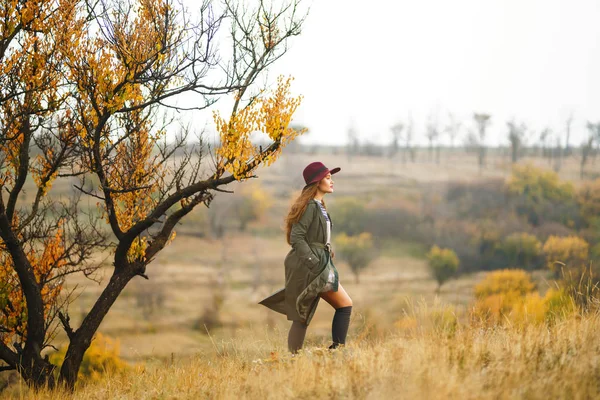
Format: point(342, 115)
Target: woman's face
point(326, 184)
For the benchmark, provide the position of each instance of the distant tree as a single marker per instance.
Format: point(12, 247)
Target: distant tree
point(443, 264)
point(432, 133)
point(567, 148)
point(353, 145)
point(543, 140)
point(516, 136)
point(587, 146)
point(482, 121)
point(452, 129)
point(409, 151)
point(358, 251)
point(396, 138)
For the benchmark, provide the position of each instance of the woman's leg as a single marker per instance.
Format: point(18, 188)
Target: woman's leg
point(296, 336)
point(341, 320)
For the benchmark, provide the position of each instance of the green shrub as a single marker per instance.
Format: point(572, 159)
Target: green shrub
point(523, 250)
point(358, 251)
point(443, 264)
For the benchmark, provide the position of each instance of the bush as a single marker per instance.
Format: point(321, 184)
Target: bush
point(476, 200)
point(506, 281)
point(350, 216)
point(358, 251)
point(570, 251)
point(443, 264)
point(541, 196)
point(523, 250)
point(101, 357)
point(588, 199)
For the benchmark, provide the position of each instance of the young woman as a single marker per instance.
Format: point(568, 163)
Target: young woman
point(309, 271)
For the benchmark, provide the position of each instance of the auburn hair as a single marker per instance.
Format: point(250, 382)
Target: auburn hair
point(298, 208)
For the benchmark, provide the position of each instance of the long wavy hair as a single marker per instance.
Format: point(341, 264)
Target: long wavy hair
point(298, 208)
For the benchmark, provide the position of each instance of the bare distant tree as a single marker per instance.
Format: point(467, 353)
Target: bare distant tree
point(409, 151)
point(453, 128)
point(482, 120)
point(588, 145)
point(516, 136)
point(353, 145)
point(557, 154)
point(567, 149)
point(396, 138)
point(432, 133)
point(543, 139)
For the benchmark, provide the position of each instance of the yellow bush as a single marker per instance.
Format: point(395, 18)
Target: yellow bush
point(530, 309)
point(505, 282)
point(538, 184)
point(571, 251)
point(101, 357)
point(509, 297)
point(500, 293)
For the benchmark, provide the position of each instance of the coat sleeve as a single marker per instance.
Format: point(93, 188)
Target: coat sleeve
point(298, 237)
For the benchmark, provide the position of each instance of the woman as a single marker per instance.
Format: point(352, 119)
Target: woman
point(309, 271)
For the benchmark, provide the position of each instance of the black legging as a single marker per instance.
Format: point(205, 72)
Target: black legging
point(339, 330)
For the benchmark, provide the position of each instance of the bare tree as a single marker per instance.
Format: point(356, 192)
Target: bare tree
point(587, 147)
point(90, 83)
point(396, 138)
point(567, 148)
point(482, 121)
point(432, 133)
point(453, 129)
point(544, 138)
point(408, 138)
point(353, 145)
point(516, 137)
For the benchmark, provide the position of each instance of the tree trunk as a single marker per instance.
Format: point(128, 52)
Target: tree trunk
point(82, 338)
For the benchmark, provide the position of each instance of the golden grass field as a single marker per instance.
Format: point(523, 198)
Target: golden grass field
point(172, 356)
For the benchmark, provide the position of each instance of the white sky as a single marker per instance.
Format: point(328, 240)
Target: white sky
point(372, 63)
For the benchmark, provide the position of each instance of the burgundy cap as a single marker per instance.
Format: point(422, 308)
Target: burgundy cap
point(316, 171)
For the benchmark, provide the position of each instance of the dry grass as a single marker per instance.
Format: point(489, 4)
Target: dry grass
point(537, 362)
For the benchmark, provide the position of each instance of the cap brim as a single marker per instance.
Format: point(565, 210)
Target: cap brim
point(335, 170)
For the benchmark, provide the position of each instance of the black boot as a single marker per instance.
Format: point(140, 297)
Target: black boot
point(339, 326)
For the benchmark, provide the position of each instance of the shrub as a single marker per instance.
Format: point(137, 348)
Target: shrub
point(523, 250)
point(350, 216)
point(358, 251)
point(101, 357)
point(571, 251)
point(506, 281)
point(588, 199)
point(540, 195)
point(443, 264)
point(509, 296)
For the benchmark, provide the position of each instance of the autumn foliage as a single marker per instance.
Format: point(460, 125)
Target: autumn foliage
point(87, 93)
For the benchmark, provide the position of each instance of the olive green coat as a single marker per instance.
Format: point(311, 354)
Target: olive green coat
point(307, 267)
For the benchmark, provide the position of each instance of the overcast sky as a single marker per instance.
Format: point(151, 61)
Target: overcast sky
point(372, 63)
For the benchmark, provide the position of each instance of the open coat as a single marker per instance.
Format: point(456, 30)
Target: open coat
point(307, 268)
